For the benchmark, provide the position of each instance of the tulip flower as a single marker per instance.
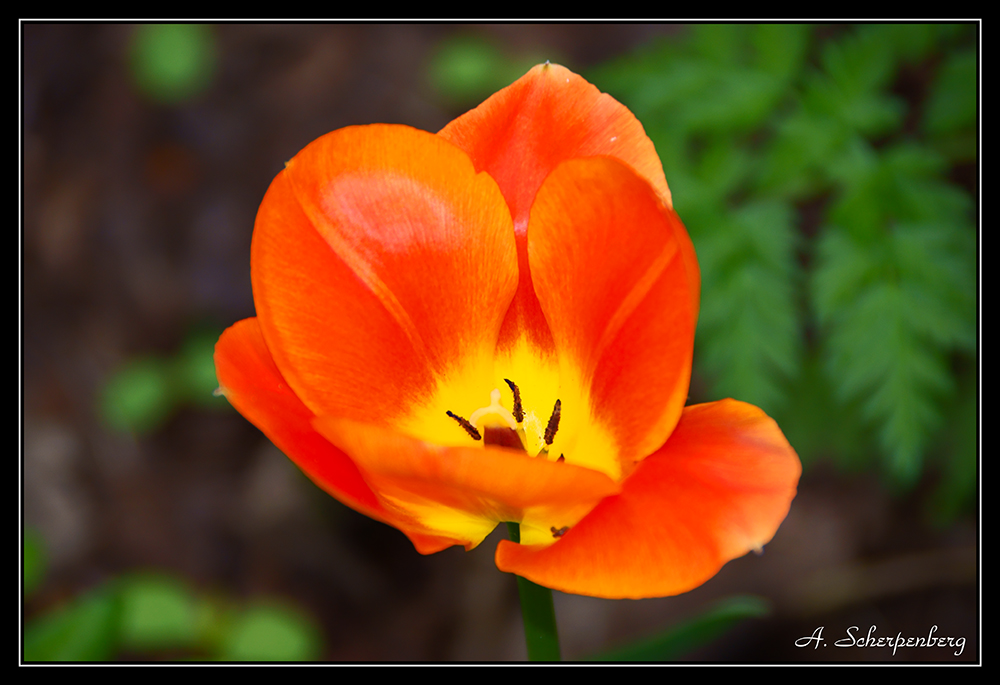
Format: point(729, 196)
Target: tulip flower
point(495, 323)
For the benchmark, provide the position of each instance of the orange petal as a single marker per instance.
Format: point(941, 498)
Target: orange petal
point(605, 254)
point(523, 132)
point(718, 488)
point(254, 386)
point(381, 260)
point(463, 492)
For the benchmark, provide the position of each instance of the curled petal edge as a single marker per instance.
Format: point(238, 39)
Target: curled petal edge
point(718, 488)
point(463, 492)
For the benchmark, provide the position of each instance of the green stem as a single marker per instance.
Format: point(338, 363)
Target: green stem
point(538, 613)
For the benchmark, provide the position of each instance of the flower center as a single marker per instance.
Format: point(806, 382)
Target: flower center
point(536, 405)
point(494, 424)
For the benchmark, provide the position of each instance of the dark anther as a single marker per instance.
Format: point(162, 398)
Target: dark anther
point(518, 409)
point(550, 430)
point(558, 532)
point(464, 423)
point(562, 457)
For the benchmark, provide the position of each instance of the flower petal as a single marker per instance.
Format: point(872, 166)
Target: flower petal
point(463, 492)
point(254, 386)
point(605, 254)
point(381, 261)
point(523, 132)
point(718, 488)
point(547, 116)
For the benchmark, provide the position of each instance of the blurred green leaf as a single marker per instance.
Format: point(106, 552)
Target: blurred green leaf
point(721, 171)
point(952, 102)
point(899, 184)
point(781, 49)
point(722, 44)
point(681, 640)
point(956, 492)
point(647, 79)
point(748, 328)
point(856, 70)
point(158, 613)
point(861, 61)
point(34, 561)
point(172, 62)
point(893, 308)
point(820, 427)
point(139, 397)
point(143, 394)
point(194, 369)
point(738, 100)
point(866, 112)
point(85, 630)
point(910, 42)
point(796, 164)
point(271, 633)
point(152, 613)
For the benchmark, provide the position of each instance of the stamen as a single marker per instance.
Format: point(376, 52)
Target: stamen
point(469, 428)
point(518, 409)
point(562, 457)
point(558, 532)
point(553, 426)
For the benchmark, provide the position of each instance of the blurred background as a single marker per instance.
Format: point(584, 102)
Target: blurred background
point(828, 176)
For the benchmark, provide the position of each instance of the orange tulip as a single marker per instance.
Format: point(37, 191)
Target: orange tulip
point(496, 323)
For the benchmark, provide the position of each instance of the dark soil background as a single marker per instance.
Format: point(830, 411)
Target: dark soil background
point(136, 228)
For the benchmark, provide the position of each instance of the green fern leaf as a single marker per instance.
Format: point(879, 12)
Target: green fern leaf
point(781, 49)
point(893, 309)
point(950, 115)
point(952, 103)
point(749, 324)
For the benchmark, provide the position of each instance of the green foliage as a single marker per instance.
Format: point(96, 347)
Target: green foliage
point(952, 105)
point(896, 294)
point(267, 632)
point(957, 457)
point(950, 116)
point(158, 612)
point(142, 395)
point(33, 562)
point(838, 259)
point(820, 425)
point(84, 630)
point(682, 639)
point(172, 62)
point(751, 324)
point(138, 396)
point(150, 614)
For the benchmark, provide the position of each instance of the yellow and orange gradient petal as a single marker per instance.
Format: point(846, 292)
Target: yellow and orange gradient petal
point(717, 489)
point(407, 282)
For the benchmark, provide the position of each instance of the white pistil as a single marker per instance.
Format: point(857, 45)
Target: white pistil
point(494, 409)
